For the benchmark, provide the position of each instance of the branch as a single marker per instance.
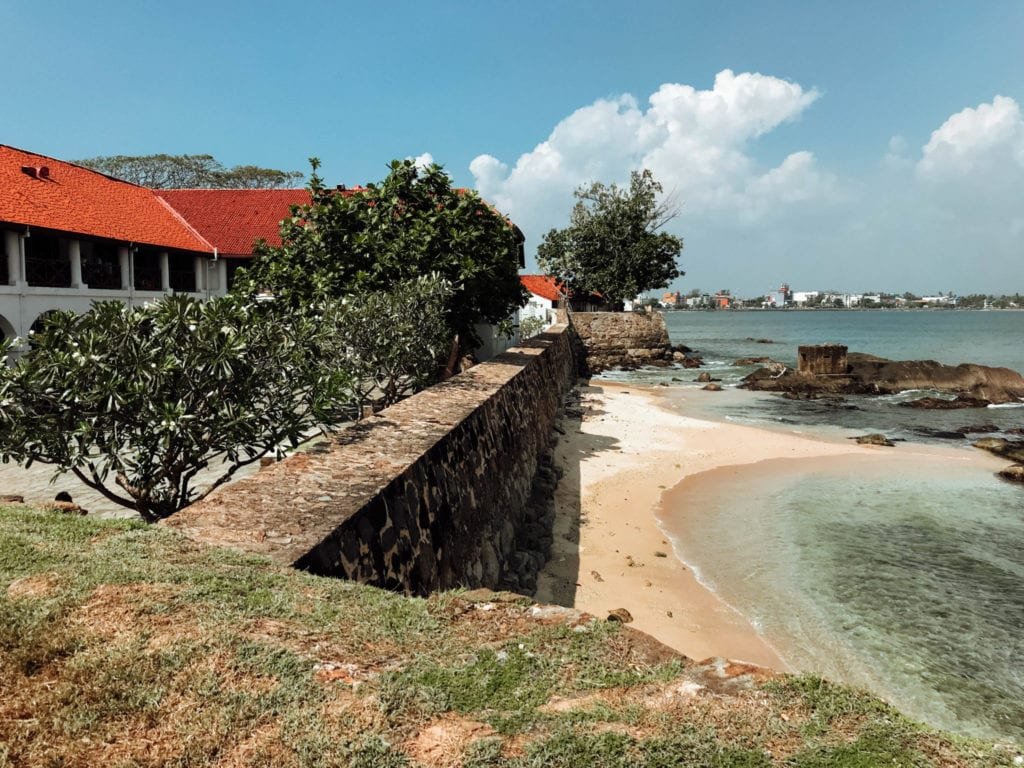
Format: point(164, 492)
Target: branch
point(99, 487)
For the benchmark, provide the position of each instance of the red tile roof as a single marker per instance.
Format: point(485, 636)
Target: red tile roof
point(544, 286)
point(70, 198)
point(234, 219)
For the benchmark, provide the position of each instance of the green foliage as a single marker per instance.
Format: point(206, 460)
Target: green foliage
point(530, 326)
point(368, 240)
point(392, 343)
point(612, 244)
point(148, 397)
point(189, 172)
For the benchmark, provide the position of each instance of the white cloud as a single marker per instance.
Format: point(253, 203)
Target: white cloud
point(977, 139)
point(423, 161)
point(945, 217)
point(695, 142)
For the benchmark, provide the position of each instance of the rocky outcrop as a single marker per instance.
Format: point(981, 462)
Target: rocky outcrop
point(941, 404)
point(1014, 472)
point(874, 439)
point(975, 385)
point(1008, 449)
point(623, 340)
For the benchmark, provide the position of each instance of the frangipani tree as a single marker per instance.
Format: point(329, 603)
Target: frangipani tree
point(136, 402)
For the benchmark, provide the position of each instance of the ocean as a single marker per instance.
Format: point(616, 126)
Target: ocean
point(908, 580)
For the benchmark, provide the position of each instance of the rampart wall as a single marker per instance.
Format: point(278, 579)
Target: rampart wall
point(451, 487)
point(622, 339)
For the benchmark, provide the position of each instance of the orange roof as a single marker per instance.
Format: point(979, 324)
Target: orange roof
point(66, 197)
point(234, 219)
point(544, 286)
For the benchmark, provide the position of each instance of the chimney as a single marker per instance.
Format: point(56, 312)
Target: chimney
point(36, 171)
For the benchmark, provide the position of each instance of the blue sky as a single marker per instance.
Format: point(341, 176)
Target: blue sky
point(826, 179)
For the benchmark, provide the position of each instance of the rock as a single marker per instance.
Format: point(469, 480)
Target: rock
point(682, 348)
point(692, 362)
point(752, 361)
point(874, 439)
point(760, 341)
point(800, 395)
point(941, 404)
point(704, 377)
point(1014, 472)
point(63, 496)
point(12, 498)
point(978, 429)
point(66, 507)
point(596, 575)
point(712, 387)
point(869, 375)
point(1008, 449)
point(620, 615)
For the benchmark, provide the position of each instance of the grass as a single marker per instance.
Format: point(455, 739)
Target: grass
point(122, 644)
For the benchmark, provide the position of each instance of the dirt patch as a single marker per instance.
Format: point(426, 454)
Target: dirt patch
point(442, 743)
point(121, 611)
point(36, 586)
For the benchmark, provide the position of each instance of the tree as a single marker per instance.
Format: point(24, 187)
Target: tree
point(189, 172)
point(612, 244)
point(135, 402)
point(392, 343)
point(370, 239)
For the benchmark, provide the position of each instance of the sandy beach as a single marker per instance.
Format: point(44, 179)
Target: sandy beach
point(609, 552)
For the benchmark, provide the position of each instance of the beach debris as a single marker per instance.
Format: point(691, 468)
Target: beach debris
point(596, 575)
point(1014, 472)
point(620, 615)
point(874, 439)
point(630, 561)
point(712, 387)
point(648, 583)
point(659, 553)
point(669, 614)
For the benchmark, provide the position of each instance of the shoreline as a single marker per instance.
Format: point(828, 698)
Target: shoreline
point(630, 456)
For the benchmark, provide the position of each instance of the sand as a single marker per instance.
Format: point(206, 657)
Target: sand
point(609, 551)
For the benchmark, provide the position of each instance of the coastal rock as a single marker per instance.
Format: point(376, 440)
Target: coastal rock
point(712, 387)
point(1008, 449)
point(870, 375)
point(941, 404)
point(705, 377)
point(978, 429)
point(620, 615)
point(1014, 472)
point(874, 439)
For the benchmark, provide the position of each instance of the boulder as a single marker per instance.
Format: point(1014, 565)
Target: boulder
point(704, 377)
point(870, 375)
point(620, 615)
point(941, 404)
point(874, 439)
point(978, 429)
point(712, 387)
point(1008, 449)
point(692, 362)
point(1014, 472)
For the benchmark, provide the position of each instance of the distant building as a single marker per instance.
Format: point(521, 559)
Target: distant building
point(672, 300)
point(722, 300)
point(802, 298)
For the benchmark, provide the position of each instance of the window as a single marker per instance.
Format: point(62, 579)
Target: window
point(147, 270)
point(46, 262)
point(182, 272)
point(101, 265)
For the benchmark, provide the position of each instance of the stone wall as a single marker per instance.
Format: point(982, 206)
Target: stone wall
point(622, 339)
point(822, 360)
point(450, 487)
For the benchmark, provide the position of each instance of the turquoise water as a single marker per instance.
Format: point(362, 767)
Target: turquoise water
point(905, 577)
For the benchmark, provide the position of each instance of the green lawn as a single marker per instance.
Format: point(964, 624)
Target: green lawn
point(127, 645)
